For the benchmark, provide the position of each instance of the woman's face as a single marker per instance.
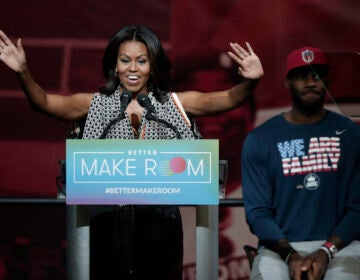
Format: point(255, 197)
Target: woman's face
point(133, 66)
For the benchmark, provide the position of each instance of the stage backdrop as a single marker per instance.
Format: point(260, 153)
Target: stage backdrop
point(64, 42)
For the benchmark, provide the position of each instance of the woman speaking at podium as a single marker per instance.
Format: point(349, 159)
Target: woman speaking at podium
point(135, 242)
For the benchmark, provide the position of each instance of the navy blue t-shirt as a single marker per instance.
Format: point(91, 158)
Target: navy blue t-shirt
point(302, 182)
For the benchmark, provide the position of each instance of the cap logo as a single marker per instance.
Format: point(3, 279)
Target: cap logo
point(307, 56)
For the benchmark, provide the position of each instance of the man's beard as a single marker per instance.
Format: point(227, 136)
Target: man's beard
point(306, 106)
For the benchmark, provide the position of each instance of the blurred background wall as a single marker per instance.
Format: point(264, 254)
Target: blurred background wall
point(64, 41)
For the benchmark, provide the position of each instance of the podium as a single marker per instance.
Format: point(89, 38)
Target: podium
point(201, 160)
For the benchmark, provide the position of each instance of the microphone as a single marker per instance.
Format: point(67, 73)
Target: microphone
point(125, 99)
point(145, 102)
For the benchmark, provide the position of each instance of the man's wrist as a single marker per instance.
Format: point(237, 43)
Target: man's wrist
point(326, 252)
point(288, 255)
point(330, 249)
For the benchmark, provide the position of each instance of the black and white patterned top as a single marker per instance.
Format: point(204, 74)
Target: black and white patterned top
point(105, 108)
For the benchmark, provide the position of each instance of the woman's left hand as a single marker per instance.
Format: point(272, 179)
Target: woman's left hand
point(249, 63)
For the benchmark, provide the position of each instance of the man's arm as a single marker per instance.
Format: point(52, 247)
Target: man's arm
point(258, 193)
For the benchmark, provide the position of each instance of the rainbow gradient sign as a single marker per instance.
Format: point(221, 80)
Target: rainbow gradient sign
point(109, 171)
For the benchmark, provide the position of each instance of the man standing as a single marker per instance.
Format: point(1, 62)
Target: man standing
point(301, 182)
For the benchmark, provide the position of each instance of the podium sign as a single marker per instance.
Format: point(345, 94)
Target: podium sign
point(112, 171)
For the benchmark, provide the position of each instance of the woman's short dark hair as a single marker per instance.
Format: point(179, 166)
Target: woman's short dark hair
point(160, 65)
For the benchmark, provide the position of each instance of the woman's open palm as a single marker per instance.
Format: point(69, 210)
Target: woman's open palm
point(13, 56)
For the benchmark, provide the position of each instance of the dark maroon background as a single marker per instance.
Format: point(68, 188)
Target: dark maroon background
point(64, 41)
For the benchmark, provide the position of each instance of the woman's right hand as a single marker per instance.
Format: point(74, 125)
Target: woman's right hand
point(13, 56)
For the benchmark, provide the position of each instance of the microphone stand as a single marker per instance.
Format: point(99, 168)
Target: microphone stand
point(151, 117)
point(125, 99)
point(110, 124)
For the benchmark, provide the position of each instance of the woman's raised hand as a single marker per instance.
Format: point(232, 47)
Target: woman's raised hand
point(249, 63)
point(13, 56)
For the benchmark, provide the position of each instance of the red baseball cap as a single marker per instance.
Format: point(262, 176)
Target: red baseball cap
point(305, 56)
